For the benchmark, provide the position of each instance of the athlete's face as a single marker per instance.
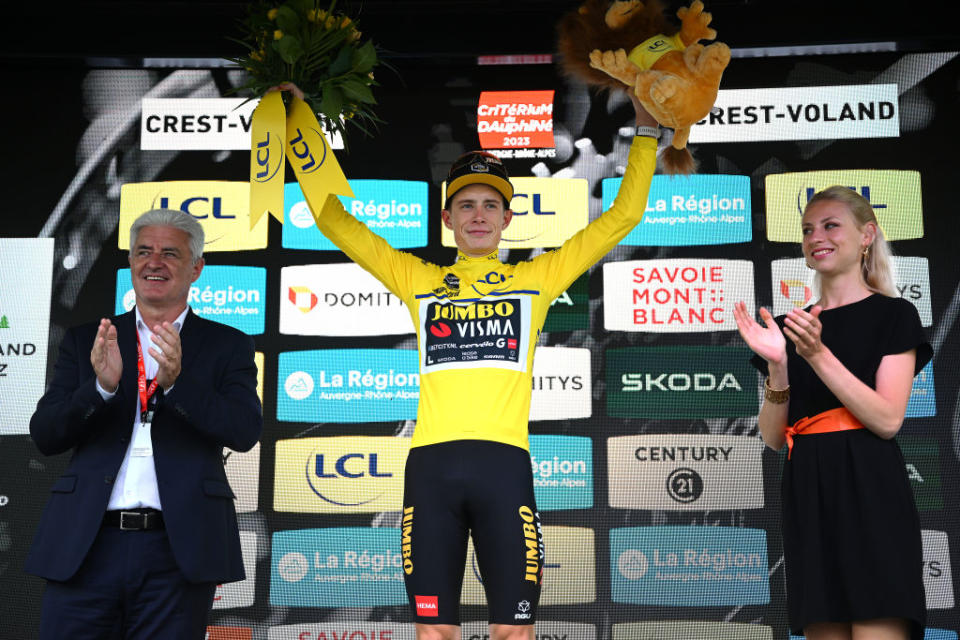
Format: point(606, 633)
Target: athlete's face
point(477, 218)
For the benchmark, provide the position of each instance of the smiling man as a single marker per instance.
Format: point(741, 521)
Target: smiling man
point(141, 528)
point(477, 322)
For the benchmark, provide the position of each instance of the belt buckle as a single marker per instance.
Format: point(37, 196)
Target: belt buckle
point(123, 517)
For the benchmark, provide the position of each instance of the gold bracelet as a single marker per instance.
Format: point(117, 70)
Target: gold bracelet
point(776, 396)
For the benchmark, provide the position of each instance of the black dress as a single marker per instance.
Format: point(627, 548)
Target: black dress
point(851, 533)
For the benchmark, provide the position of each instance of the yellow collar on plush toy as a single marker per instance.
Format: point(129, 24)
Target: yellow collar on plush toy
point(645, 54)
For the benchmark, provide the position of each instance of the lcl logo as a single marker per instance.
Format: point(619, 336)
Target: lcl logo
point(192, 206)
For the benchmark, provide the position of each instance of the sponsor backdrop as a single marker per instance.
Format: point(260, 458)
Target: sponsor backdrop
point(659, 502)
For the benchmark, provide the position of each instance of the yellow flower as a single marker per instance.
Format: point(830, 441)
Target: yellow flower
point(330, 22)
point(254, 55)
point(272, 14)
point(344, 21)
point(277, 34)
point(354, 35)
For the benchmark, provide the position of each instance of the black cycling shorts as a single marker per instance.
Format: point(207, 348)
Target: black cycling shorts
point(480, 488)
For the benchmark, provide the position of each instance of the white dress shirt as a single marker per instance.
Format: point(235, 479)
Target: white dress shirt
point(135, 486)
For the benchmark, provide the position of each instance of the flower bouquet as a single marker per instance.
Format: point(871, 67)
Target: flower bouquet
point(319, 50)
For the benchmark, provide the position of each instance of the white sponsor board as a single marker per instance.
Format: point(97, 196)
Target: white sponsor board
point(675, 295)
point(26, 272)
point(801, 113)
point(344, 631)
point(338, 300)
point(792, 284)
point(240, 594)
point(561, 384)
point(937, 573)
point(243, 474)
point(685, 472)
point(200, 124)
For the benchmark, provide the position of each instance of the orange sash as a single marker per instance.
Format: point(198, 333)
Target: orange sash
point(839, 419)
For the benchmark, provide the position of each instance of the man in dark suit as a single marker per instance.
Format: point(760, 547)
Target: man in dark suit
point(141, 527)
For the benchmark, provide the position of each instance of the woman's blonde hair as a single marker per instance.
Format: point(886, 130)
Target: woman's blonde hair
point(876, 266)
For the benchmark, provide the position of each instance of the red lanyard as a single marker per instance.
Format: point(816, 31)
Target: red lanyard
point(145, 393)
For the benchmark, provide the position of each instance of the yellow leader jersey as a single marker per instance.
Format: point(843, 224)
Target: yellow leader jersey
point(478, 321)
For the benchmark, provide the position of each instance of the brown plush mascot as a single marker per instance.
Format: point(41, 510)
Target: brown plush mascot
point(629, 43)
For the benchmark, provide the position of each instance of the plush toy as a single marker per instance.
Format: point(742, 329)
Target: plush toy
point(630, 44)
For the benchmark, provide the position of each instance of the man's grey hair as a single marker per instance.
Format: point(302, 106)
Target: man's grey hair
point(170, 218)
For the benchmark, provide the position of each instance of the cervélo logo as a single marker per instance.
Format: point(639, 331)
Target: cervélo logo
point(343, 566)
point(339, 300)
point(681, 382)
point(689, 210)
point(689, 566)
point(340, 474)
point(395, 210)
point(675, 295)
point(677, 472)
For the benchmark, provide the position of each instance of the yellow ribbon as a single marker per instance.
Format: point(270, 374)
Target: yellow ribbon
point(306, 149)
point(267, 135)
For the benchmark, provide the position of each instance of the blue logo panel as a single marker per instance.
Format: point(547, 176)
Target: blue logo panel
point(923, 396)
point(562, 472)
point(690, 210)
point(234, 296)
point(689, 566)
point(337, 567)
point(396, 210)
point(348, 385)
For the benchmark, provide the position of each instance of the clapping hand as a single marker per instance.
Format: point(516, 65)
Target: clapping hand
point(105, 357)
point(804, 328)
point(766, 341)
point(166, 351)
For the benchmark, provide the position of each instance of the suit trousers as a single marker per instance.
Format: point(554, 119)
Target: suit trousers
point(129, 586)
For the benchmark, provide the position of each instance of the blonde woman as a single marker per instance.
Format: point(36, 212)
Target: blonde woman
point(839, 375)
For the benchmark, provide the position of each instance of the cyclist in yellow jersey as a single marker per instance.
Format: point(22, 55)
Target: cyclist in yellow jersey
point(477, 323)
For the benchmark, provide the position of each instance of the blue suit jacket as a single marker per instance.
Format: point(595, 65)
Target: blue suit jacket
point(213, 404)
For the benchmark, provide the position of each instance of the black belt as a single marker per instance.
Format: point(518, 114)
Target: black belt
point(134, 519)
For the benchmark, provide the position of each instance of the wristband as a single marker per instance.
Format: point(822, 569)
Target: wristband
point(649, 132)
point(776, 396)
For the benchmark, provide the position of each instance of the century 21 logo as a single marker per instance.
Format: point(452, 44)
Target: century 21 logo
point(215, 208)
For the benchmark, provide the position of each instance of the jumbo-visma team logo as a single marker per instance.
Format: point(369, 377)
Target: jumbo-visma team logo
point(349, 474)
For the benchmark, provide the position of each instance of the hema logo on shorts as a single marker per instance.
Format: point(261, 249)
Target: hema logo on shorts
point(336, 567)
point(427, 606)
point(222, 209)
point(395, 210)
point(234, 296)
point(569, 575)
point(562, 471)
point(689, 566)
point(681, 382)
point(339, 300)
point(895, 196)
point(546, 211)
point(561, 384)
point(342, 631)
point(675, 295)
point(937, 573)
point(348, 385)
point(690, 210)
point(678, 472)
point(240, 594)
point(339, 474)
point(690, 630)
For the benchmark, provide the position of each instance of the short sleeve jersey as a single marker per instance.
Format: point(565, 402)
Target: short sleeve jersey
point(859, 335)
